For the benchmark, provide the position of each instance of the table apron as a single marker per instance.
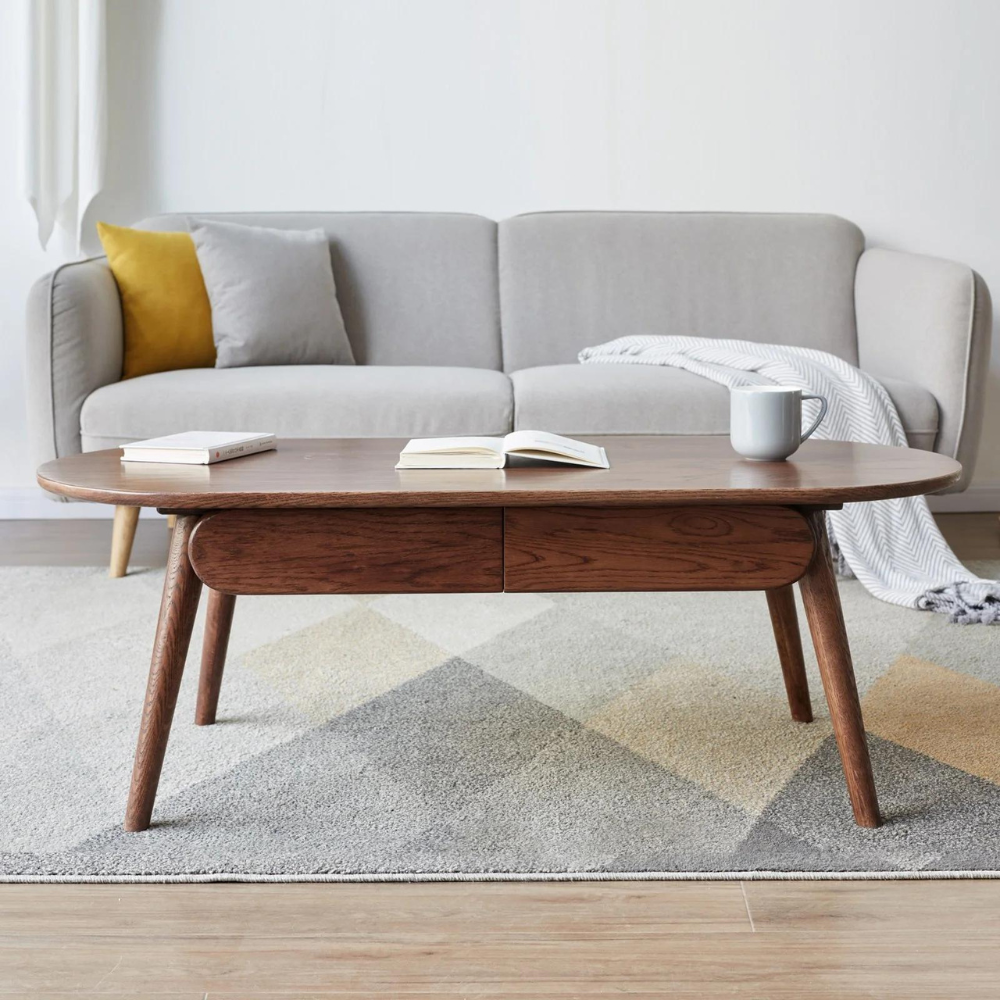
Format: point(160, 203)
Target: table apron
point(401, 550)
point(425, 550)
point(697, 547)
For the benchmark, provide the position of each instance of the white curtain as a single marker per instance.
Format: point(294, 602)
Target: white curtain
point(64, 125)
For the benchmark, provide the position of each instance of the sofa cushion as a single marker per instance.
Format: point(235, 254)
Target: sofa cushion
point(415, 288)
point(569, 280)
point(301, 401)
point(918, 410)
point(166, 313)
point(640, 399)
point(272, 293)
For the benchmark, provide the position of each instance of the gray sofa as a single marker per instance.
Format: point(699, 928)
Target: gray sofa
point(461, 325)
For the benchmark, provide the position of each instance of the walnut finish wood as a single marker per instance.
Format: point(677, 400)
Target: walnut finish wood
point(829, 635)
point(122, 535)
point(785, 622)
point(181, 590)
point(654, 548)
point(396, 551)
point(644, 471)
point(218, 623)
point(258, 545)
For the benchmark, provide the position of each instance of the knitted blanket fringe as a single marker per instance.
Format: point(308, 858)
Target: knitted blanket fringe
point(894, 547)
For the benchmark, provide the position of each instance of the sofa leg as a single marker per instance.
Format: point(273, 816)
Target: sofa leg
point(122, 534)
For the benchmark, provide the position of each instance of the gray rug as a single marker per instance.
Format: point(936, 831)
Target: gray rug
point(506, 735)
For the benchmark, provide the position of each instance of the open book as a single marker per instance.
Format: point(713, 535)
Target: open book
point(491, 453)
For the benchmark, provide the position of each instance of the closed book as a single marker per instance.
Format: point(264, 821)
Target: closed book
point(198, 447)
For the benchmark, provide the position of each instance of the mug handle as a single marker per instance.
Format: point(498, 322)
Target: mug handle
point(822, 413)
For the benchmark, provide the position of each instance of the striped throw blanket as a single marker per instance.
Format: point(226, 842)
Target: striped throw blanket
point(893, 547)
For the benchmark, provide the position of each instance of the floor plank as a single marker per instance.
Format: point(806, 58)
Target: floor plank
point(415, 912)
point(777, 966)
point(972, 536)
point(83, 542)
point(807, 939)
point(968, 908)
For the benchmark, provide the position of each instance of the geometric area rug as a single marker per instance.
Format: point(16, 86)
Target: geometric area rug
point(488, 736)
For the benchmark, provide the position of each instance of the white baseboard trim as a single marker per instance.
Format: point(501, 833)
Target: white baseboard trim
point(29, 503)
point(978, 497)
point(32, 503)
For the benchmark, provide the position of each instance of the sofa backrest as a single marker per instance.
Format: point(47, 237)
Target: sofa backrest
point(415, 288)
point(572, 279)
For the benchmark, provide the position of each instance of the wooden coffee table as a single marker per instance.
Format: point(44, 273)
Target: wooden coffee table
point(334, 517)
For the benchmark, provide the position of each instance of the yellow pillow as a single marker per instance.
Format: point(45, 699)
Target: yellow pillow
point(168, 318)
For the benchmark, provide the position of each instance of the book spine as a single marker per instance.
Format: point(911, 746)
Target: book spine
point(239, 450)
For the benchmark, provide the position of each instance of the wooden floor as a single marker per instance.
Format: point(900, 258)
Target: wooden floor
point(524, 940)
point(933, 939)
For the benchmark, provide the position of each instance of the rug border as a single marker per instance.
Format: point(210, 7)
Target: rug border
point(761, 876)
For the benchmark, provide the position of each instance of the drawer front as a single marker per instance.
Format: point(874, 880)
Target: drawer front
point(654, 548)
point(351, 551)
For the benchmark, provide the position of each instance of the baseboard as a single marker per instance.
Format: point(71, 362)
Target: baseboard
point(32, 503)
point(978, 497)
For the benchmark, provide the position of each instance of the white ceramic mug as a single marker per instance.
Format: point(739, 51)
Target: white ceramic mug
point(765, 421)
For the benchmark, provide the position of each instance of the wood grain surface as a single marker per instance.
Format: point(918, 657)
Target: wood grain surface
point(122, 535)
point(218, 623)
point(342, 551)
point(788, 638)
point(829, 635)
point(756, 940)
point(644, 471)
point(181, 591)
point(649, 548)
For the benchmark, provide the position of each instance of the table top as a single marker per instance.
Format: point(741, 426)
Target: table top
point(358, 472)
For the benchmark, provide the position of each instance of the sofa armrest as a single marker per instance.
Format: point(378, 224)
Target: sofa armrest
point(75, 346)
point(929, 321)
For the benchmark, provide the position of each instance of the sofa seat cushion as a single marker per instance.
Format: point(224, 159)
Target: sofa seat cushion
point(640, 399)
point(301, 401)
point(918, 410)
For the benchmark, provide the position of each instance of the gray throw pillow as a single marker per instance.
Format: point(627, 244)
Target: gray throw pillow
point(272, 295)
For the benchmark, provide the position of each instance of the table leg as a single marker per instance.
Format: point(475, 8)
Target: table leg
point(181, 590)
point(826, 623)
point(213, 655)
point(785, 621)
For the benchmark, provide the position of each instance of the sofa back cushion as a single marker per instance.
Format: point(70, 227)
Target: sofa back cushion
point(415, 288)
point(572, 279)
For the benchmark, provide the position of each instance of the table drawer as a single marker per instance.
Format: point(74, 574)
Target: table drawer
point(654, 548)
point(425, 550)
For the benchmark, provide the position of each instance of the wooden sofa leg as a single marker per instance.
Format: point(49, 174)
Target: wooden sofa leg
point(122, 534)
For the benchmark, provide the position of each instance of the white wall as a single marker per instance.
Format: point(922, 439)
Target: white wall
point(885, 112)
point(21, 259)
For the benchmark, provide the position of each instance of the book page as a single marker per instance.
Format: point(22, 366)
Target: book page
point(454, 446)
point(542, 444)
